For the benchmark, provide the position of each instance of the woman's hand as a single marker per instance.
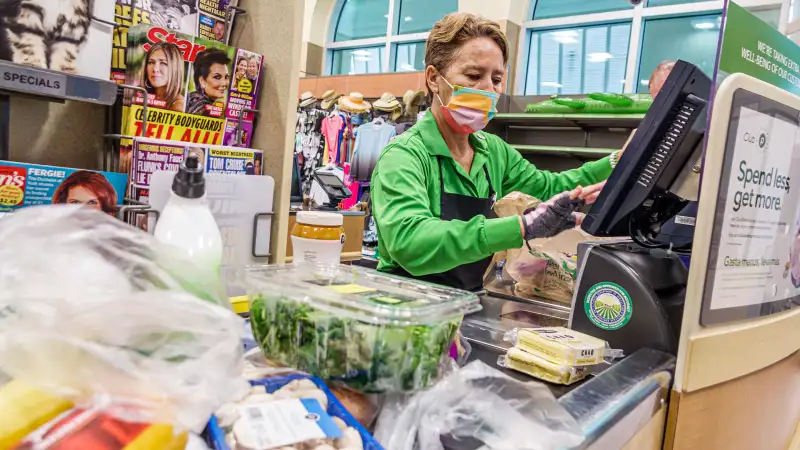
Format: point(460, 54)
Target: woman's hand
point(590, 194)
point(553, 216)
point(560, 213)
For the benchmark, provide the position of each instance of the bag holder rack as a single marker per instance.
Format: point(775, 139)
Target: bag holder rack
point(133, 210)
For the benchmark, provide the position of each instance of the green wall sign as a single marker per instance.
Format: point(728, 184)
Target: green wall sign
point(752, 47)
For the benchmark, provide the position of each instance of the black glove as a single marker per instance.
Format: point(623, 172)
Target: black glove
point(551, 218)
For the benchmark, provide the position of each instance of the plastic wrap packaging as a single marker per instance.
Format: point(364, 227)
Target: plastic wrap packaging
point(171, 357)
point(541, 368)
point(562, 346)
point(92, 311)
point(374, 332)
point(76, 251)
point(478, 407)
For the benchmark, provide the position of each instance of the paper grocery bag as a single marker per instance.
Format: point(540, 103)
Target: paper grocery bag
point(513, 204)
point(549, 267)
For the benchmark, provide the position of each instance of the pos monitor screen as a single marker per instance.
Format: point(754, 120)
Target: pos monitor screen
point(636, 200)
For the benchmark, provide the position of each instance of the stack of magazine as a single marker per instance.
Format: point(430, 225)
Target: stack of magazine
point(198, 92)
point(201, 18)
point(197, 89)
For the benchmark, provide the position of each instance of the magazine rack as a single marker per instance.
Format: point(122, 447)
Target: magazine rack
point(78, 124)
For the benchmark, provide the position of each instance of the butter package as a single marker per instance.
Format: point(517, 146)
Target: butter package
point(527, 363)
point(562, 346)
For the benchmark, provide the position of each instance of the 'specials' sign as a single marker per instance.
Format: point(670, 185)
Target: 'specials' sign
point(23, 79)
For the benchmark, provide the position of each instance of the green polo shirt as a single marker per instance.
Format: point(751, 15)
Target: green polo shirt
point(406, 199)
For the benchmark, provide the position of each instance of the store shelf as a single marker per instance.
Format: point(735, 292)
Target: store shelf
point(571, 120)
point(55, 85)
point(566, 151)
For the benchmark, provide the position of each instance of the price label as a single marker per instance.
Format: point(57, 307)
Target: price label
point(11, 195)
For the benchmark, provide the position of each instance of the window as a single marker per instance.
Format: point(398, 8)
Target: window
point(771, 17)
point(578, 60)
point(583, 46)
point(418, 16)
point(547, 9)
point(692, 39)
point(651, 3)
point(361, 28)
point(362, 19)
point(410, 57)
point(356, 61)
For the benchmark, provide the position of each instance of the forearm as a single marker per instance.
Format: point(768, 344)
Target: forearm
point(555, 183)
point(424, 245)
point(524, 177)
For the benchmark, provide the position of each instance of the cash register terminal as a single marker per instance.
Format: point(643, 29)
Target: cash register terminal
point(630, 291)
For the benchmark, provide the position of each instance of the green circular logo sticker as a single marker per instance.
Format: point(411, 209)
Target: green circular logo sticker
point(608, 306)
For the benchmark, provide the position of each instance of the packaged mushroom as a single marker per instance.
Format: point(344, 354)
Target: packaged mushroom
point(296, 412)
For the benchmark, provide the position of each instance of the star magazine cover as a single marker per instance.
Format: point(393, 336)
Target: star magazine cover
point(199, 18)
point(197, 88)
point(58, 35)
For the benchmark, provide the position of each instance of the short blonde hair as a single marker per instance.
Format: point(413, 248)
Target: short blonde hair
point(454, 30)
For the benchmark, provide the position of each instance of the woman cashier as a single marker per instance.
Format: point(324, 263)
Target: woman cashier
point(434, 186)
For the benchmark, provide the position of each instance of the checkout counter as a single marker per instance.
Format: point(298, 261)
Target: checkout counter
point(706, 367)
point(623, 407)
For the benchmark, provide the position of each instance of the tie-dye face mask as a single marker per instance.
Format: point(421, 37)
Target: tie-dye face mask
point(469, 110)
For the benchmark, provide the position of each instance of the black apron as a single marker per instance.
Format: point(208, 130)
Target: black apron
point(460, 207)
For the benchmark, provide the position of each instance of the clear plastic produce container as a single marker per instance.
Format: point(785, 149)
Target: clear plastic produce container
point(375, 332)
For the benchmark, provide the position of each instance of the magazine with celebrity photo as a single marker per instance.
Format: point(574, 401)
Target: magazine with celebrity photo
point(199, 18)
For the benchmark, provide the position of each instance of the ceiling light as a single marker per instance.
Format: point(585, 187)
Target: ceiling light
point(408, 19)
point(363, 58)
point(599, 57)
point(565, 37)
point(362, 53)
point(704, 25)
point(645, 82)
point(551, 84)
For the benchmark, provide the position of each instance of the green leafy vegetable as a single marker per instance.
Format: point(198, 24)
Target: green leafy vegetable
point(368, 357)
